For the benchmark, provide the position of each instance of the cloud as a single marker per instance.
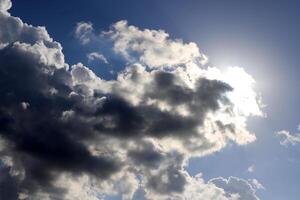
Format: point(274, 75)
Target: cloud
point(288, 138)
point(196, 188)
point(62, 127)
point(5, 5)
point(84, 32)
point(155, 49)
point(256, 184)
point(8, 185)
point(251, 169)
point(32, 40)
point(244, 189)
point(97, 56)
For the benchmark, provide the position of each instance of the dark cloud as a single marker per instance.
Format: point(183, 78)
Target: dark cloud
point(165, 88)
point(8, 185)
point(48, 145)
point(124, 119)
point(147, 155)
point(171, 180)
point(166, 183)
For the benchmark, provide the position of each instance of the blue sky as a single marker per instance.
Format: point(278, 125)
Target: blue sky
point(260, 36)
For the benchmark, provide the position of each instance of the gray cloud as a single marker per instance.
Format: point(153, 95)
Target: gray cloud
point(8, 185)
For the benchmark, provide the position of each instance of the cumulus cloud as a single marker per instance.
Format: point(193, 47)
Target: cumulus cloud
point(63, 128)
point(244, 189)
point(96, 56)
point(288, 138)
point(154, 48)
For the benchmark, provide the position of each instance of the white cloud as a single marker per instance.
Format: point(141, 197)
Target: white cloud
point(234, 185)
point(33, 40)
point(5, 5)
point(155, 49)
point(25, 105)
point(84, 32)
point(256, 184)
point(288, 138)
point(251, 169)
point(97, 56)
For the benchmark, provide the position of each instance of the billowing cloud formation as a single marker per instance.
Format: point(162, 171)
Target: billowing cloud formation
point(154, 48)
point(288, 138)
point(68, 134)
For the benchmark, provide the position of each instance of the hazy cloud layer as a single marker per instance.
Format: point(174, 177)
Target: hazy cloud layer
point(68, 134)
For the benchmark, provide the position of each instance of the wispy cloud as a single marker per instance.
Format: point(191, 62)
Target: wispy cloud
point(97, 56)
point(288, 138)
point(84, 32)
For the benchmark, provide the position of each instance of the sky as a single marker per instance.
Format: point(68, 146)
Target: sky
point(149, 99)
